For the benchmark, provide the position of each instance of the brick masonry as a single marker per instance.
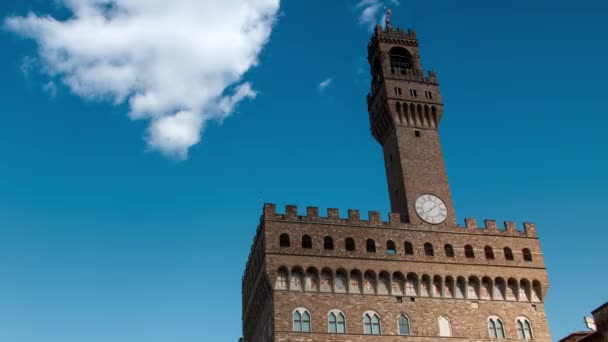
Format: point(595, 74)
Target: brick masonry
point(301, 260)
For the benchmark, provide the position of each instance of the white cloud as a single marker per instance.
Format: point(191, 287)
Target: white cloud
point(51, 88)
point(372, 12)
point(177, 63)
point(324, 84)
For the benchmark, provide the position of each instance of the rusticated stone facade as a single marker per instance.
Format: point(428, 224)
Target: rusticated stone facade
point(415, 276)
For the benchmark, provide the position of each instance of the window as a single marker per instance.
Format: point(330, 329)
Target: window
point(428, 249)
point(527, 254)
point(371, 246)
point(413, 93)
point(524, 329)
point(417, 133)
point(391, 248)
point(397, 90)
point(284, 240)
point(349, 244)
point(508, 253)
point(445, 330)
point(281, 282)
point(400, 59)
point(468, 251)
point(306, 242)
point(489, 253)
point(449, 250)
point(328, 243)
point(409, 249)
point(428, 95)
point(371, 324)
point(301, 320)
point(404, 325)
point(496, 328)
point(336, 322)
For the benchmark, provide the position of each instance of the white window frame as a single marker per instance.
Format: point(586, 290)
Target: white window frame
point(409, 325)
point(449, 326)
point(371, 315)
point(301, 311)
point(504, 330)
point(336, 313)
point(523, 321)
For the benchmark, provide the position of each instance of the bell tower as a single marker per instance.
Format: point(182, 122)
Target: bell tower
point(405, 110)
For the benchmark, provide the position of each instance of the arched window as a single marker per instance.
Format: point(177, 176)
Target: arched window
point(524, 329)
point(409, 249)
point(328, 243)
point(281, 282)
point(508, 253)
point(391, 248)
point(527, 254)
point(404, 325)
point(445, 330)
point(326, 280)
point(371, 246)
point(449, 250)
point(306, 242)
point(384, 283)
point(336, 322)
point(341, 281)
point(428, 249)
point(349, 244)
point(284, 240)
point(489, 253)
point(468, 251)
point(371, 323)
point(301, 320)
point(400, 59)
point(296, 279)
point(496, 328)
point(311, 280)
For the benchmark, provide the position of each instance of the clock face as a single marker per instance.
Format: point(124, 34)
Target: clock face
point(431, 209)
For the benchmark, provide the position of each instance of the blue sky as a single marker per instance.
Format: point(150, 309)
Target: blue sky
point(106, 238)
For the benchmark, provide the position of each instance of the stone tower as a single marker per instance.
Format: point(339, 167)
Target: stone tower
point(405, 109)
point(416, 276)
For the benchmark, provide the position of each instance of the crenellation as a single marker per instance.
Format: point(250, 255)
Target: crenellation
point(394, 219)
point(530, 229)
point(333, 214)
point(354, 215)
point(470, 223)
point(291, 211)
point(490, 225)
point(511, 227)
point(312, 212)
point(374, 217)
point(270, 210)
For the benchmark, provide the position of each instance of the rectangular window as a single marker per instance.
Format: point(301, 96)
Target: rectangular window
point(413, 93)
point(428, 95)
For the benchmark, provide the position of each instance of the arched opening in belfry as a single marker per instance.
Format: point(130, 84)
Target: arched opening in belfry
point(401, 60)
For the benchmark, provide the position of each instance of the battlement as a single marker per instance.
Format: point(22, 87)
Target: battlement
point(392, 32)
point(395, 221)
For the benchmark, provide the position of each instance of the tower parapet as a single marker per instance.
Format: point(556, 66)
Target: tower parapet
point(394, 221)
